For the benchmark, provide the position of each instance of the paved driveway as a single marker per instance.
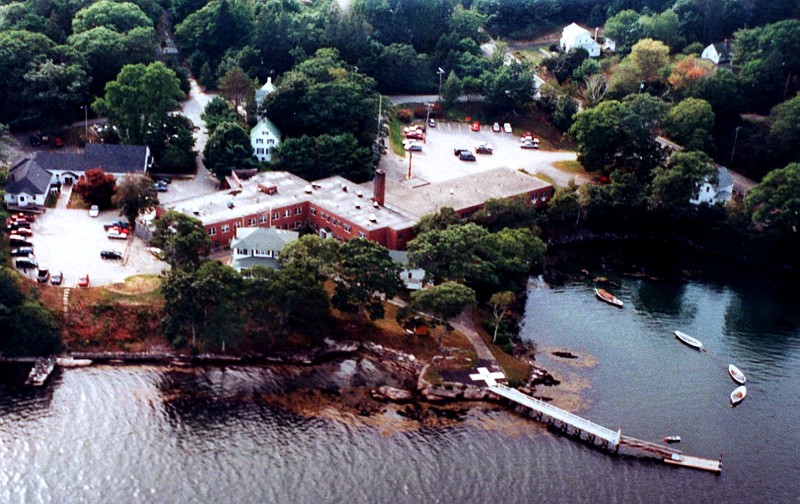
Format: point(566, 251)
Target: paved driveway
point(437, 163)
point(70, 241)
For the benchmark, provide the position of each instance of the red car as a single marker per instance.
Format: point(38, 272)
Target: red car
point(476, 126)
point(84, 281)
point(58, 142)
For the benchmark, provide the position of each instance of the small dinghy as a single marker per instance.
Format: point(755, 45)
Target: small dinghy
point(672, 439)
point(736, 374)
point(604, 295)
point(692, 342)
point(738, 395)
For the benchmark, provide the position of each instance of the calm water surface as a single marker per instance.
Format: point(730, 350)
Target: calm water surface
point(111, 434)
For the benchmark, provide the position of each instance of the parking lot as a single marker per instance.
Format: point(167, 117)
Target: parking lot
point(70, 241)
point(437, 163)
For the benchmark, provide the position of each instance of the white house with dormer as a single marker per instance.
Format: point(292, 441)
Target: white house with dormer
point(721, 192)
point(264, 136)
point(574, 36)
point(720, 53)
point(259, 246)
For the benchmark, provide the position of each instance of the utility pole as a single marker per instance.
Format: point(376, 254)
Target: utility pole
point(85, 122)
point(440, 72)
point(735, 138)
point(410, 155)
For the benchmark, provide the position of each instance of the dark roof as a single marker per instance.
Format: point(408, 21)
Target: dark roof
point(111, 158)
point(724, 51)
point(26, 176)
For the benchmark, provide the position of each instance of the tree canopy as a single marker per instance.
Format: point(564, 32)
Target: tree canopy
point(182, 239)
point(775, 201)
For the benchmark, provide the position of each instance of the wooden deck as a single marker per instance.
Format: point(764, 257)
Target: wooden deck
point(608, 438)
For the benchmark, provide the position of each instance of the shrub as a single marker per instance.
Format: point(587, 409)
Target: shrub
point(404, 115)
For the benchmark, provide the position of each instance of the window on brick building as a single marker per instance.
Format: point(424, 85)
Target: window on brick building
point(225, 228)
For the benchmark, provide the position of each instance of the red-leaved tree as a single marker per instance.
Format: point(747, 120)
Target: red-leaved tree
point(96, 187)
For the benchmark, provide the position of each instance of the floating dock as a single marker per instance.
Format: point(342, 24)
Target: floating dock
point(575, 425)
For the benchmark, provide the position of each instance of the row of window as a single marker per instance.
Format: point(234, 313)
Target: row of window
point(270, 141)
point(257, 253)
point(535, 197)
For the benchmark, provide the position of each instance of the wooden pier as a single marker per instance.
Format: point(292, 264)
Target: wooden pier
point(610, 439)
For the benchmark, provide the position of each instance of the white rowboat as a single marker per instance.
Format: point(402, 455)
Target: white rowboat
point(692, 342)
point(736, 374)
point(738, 394)
point(609, 298)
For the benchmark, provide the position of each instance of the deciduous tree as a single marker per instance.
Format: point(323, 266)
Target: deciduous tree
point(690, 123)
point(500, 303)
point(363, 271)
point(96, 187)
point(134, 195)
point(775, 201)
point(443, 302)
point(228, 148)
point(182, 238)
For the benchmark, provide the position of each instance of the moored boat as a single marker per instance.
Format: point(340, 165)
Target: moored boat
point(604, 295)
point(40, 371)
point(672, 439)
point(736, 374)
point(70, 362)
point(692, 342)
point(738, 394)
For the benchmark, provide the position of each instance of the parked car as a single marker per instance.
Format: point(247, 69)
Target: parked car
point(466, 156)
point(164, 180)
point(116, 234)
point(35, 140)
point(26, 264)
point(57, 279)
point(83, 281)
point(414, 146)
point(118, 229)
point(94, 211)
point(458, 150)
point(24, 232)
point(483, 148)
point(432, 122)
point(111, 254)
point(43, 275)
point(476, 126)
point(58, 142)
point(507, 128)
point(22, 252)
point(529, 144)
point(161, 187)
point(117, 224)
point(16, 240)
point(496, 127)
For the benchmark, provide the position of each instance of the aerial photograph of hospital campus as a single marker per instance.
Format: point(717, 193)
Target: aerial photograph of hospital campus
point(399, 251)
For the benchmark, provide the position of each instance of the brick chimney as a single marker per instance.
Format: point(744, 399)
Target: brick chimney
point(380, 187)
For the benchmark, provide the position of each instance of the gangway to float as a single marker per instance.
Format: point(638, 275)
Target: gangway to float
point(608, 438)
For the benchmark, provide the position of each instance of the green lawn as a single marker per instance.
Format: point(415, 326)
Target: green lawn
point(396, 137)
point(570, 166)
point(532, 55)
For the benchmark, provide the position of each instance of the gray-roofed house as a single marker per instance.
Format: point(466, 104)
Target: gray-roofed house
point(721, 192)
point(413, 278)
point(28, 183)
point(259, 246)
point(719, 53)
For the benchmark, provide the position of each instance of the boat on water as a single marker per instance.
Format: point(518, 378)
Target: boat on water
point(672, 439)
point(692, 342)
point(604, 295)
point(738, 394)
point(736, 374)
point(71, 362)
point(41, 371)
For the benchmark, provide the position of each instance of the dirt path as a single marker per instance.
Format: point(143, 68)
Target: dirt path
point(465, 324)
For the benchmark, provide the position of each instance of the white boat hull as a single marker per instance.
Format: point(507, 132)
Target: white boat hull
point(736, 374)
point(738, 395)
point(692, 342)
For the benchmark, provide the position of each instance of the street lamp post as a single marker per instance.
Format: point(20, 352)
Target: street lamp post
point(440, 72)
point(735, 138)
point(428, 106)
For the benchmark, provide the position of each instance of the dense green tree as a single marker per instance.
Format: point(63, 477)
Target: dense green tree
point(120, 17)
point(26, 327)
point(775, 201)
point(674, 185)
point(54, 91)
point(451, 90)
point(509, 255)
point(443, 302)
point(501, 213)
point(649, 57)
point(216, 27)
point(218, 111)
point(134, 195)
point(784, 130)
point(324, 156)
point(445, 217)
point(363, 271)
point(311, 253)
point(399, 68)
point(724, 92)
point(563, 211)
point(228, 149)
point(690, 123)
point(21, 51)
point(450, 254)
point(173, 148)
point(236, 87)
point(509, 88)
point(664, 26)
point(139, 99)
point(566, 63)
point(182, 239)
point(624, 28)
point(587, 68)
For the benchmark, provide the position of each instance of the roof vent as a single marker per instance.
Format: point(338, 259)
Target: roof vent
point(308, 189)
point(360, 194)
point(344, 188)
point(358, 205)
point(375, 204)
point(230, 203)
point(452, 191)
point(372, 218)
